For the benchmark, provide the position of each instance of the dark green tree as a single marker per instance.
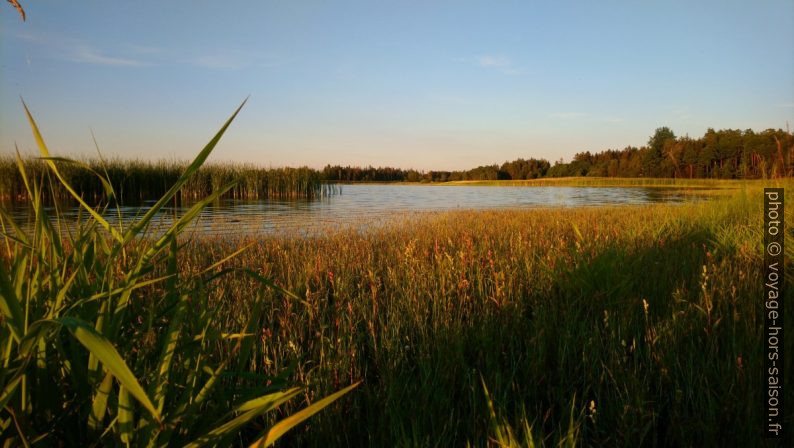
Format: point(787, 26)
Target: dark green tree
point(654, 154)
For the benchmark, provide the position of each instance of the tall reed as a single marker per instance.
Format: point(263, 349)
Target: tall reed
point(107, 342)
point(135, 181)
point(607, 326)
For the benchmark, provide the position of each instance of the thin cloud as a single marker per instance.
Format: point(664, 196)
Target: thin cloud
point(613, 120)
point(30, 37)
point(220, 61)
point(235, 60)
point(493, 61)
point(498, 63)
point(89, 55)
point(144, 49)
point(76, 50)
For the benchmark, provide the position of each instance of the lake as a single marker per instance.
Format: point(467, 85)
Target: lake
point(365, 205)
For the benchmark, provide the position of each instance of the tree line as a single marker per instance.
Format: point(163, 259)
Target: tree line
point(517, 169)
point(723, 154)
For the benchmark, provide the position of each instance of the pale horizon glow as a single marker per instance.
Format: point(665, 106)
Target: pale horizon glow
point(425, 85)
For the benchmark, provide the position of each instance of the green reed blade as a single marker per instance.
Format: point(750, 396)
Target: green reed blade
point(106, 353)
point(280, 428)
point(125, 414)
point(22, 172)
point(10, 305)
point(105, 184)
point(100, 403)
point(251, 409)
point(189, 171)
point(8, 391)
point(46, 153)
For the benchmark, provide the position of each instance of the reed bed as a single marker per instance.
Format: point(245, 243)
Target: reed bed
point(136, 181)
point(607, 326)
point(617, 326)
point(107, 341)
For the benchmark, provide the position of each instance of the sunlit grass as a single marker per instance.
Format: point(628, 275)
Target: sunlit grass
point(107, 341)
point(135, 181)
point(609, 326)
point(605, 326)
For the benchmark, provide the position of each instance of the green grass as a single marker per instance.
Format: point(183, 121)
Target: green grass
point(617, 326)
point(106, 341)
point(135, 181)
point(606, 326)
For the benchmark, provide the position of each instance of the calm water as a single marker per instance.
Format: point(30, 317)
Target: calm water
point(363, 206)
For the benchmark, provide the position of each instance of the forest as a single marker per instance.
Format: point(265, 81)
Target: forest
point(722, 154)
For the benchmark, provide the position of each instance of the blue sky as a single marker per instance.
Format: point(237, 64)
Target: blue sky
point(424, 84)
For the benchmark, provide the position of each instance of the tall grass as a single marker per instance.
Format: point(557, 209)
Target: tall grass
point(610, 326)
point(616, 326)
point(135, 181)
point(107, 342)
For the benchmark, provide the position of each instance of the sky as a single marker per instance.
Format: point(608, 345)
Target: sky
point(410, 84)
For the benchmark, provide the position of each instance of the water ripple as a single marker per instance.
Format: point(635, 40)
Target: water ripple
point(366, 205)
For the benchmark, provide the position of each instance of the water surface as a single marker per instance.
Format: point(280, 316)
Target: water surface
point(366, 205)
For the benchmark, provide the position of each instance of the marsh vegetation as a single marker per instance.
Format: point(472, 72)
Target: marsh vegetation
point(619, 326)
point(136, 181)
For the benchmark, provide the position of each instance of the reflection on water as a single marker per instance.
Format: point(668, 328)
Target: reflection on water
point(363, 206)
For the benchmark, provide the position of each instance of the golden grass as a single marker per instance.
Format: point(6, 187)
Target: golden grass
point(645, 313)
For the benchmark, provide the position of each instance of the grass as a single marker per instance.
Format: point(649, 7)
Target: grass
point(617, 326)
point(135, 181)
point(606, 326)
point(107, 342)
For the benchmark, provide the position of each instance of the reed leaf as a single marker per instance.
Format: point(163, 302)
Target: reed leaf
point(135, 229)
point(280, 428)
point(10, 302)
point(124, 298)
point(46, 153)
point(100, 403)
point(125, 416)
point(250, 410)
point(110, 358)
